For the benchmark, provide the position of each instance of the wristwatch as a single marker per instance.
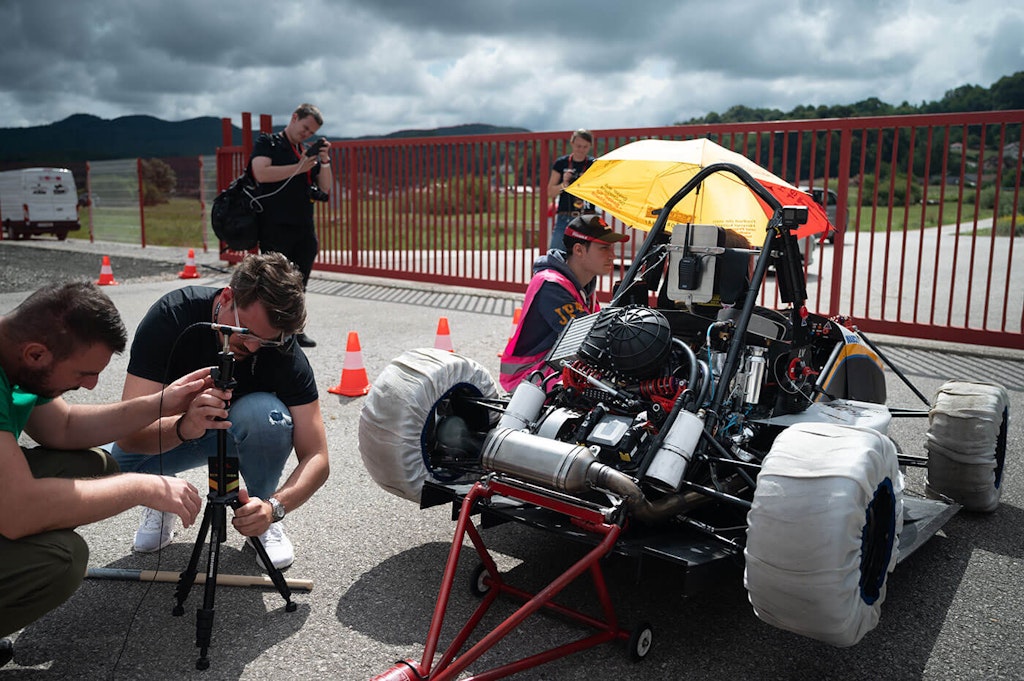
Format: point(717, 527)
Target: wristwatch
point(276, 510)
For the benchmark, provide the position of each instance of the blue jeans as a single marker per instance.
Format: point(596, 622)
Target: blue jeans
point(559, 231)
point(260, 436)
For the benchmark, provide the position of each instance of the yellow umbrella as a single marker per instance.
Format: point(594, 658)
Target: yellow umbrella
point(637, 179)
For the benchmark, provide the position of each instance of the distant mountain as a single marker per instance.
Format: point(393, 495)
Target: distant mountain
point(466, 129)
point(83, 137)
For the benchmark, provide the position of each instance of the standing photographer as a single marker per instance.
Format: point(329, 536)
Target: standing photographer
point(292, 177)
point(564, 171)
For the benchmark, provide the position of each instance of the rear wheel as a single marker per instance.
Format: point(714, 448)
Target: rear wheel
point(966, 444)
point(640, 641)
point(419, 391)
point(478, 584)
point(823, 531)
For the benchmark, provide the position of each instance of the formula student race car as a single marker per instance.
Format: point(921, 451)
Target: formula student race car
point(694, 433)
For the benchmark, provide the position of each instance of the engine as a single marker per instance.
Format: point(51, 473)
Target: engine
point(638, 411)
point(624, 375)
point(622, 418)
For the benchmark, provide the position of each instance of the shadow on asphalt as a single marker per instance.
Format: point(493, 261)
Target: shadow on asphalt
point(247, 622)
point(716, 628)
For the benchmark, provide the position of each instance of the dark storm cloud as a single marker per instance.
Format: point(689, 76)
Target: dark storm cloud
point(375, 66)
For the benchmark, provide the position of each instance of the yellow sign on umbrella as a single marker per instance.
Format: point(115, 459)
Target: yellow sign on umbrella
point(635, 181)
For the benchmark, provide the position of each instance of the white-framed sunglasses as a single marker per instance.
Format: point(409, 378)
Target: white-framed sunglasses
point(264, 342)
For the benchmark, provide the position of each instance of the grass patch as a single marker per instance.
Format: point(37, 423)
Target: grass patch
point(179, 222)
point(878, 217)
point(385, 224)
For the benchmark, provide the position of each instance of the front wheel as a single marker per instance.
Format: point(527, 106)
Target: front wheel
point(823, 531)
point(399, 420)
point(966, 444)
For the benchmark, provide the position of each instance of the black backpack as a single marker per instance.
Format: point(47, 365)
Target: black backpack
point(233, 215)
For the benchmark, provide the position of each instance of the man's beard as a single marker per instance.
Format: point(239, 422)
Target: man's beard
point(37, 382)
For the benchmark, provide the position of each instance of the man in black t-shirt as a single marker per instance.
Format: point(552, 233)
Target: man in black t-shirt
point(290, 180)
point(273, 407)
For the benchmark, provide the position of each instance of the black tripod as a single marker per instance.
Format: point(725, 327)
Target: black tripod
point(223, 493)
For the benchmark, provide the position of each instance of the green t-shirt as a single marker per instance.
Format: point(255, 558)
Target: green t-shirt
point(15, 406)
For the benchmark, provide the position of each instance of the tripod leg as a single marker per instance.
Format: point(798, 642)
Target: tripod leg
point(204, 615)
point(275, 574)
point(188, 577)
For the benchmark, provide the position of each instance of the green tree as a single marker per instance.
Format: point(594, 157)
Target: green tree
point(967, 98)
point(158, 181)
point(1008, 92)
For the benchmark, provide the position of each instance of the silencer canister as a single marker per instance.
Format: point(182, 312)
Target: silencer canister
point(671, 460)
point(524, 407)
point(557, 465)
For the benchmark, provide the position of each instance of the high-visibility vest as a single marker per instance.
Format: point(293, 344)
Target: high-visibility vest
point(514, 368)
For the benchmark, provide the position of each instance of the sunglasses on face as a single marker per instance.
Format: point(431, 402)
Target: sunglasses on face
point(263, 342)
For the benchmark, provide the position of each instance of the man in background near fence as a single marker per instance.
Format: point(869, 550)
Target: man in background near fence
point(58, 339)
point(291, 178)
point(273, 408)
point(564, 172)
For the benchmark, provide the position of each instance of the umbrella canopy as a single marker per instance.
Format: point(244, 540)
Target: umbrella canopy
point(637, 179)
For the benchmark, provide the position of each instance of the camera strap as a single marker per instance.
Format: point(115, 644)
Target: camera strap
point(299, 151)
point(248, 169)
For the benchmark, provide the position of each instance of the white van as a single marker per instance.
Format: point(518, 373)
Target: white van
point(38, 201)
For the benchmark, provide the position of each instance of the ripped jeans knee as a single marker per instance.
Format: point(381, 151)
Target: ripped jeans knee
point(260, 437)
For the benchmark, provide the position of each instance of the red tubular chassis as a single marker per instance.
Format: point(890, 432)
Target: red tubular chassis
point(487, 582)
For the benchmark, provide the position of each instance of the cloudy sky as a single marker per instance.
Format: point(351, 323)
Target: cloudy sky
point(376, 66)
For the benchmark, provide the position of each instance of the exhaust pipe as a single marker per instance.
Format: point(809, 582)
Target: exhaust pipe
point(574, 469)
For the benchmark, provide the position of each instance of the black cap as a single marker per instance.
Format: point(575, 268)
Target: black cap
point(593, 228)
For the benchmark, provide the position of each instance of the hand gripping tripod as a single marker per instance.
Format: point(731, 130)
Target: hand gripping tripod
point(223, 493)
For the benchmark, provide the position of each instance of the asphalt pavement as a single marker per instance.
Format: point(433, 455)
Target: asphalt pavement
point(955, 609)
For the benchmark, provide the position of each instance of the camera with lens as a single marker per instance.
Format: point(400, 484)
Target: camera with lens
point(569, 176)
point(314, 148)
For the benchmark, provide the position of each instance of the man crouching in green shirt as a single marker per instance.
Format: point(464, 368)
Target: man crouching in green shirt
point(60, 338)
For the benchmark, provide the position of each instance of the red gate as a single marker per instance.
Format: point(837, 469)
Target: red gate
point(929, 209)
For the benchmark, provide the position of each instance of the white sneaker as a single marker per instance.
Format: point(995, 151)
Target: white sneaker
point(278, 545)
point(155, 531)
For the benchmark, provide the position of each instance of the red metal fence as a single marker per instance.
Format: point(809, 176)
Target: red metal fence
point(930, 211)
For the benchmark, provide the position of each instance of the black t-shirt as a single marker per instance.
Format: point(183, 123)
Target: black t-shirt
point(284, 372)
point(291, 205)
point(566, 201)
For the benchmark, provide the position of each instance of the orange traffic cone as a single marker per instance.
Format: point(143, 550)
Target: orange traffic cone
point(516, 316)
point(443, 340)
point(190, 266)
point(353, 381)
point(106, 274)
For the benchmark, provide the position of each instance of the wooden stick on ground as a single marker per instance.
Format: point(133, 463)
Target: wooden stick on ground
point(169, 576)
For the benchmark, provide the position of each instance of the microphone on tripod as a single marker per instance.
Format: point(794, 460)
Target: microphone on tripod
point(224, 486)
point(226, 328)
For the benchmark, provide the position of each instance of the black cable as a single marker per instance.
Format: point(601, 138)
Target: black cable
point(160, 453)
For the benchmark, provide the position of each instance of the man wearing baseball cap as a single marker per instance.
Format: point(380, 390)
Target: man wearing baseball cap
point(562, 288)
